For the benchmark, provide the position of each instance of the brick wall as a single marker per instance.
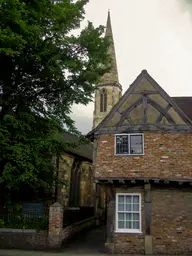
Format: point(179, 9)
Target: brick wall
point(165, 155)
point(131, 243)
point(171, 224)
point(172, 221)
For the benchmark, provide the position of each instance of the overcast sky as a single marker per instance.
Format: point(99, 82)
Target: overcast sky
point(149, 34)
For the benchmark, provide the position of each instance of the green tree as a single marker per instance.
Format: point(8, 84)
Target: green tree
point(45, 69)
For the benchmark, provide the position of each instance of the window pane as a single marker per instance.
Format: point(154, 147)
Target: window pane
point(121, 199)
point(136, 144)
point(128, 207)
point(128, 212)
point(135, 199)
point(121, 216)
point(122, 144)
point(136, 216)
point(105, 102)
point(135, 224)
point(135, 207)
point(128, 225)
point(120, 224)
point(129, 216)
point(121, 207)
point(128, 199)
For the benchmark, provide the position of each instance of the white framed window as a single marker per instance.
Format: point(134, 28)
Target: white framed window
point(129, 144)
point(128, 213)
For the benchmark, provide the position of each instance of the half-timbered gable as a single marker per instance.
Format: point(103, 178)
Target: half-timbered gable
point(143, 159)
point(144, 106)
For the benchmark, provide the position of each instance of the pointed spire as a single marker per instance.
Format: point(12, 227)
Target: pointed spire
point(112, 76)
point(108, 31)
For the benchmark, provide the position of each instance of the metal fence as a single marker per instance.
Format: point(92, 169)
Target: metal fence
point(71, 216)
point(24, 221)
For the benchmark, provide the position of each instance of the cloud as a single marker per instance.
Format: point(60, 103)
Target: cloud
point(83, 117)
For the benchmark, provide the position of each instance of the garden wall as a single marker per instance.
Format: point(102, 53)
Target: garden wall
point(40, 240)
point(23, 239)
point(76, 228)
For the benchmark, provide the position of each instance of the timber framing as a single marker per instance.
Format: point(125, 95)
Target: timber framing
point(117, 181)
point(148, 128)
point(145, 101)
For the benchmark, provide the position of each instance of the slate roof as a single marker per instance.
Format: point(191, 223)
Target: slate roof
point(83, 150)
point(185, 104)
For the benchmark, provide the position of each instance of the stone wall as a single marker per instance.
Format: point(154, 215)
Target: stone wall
point(76, 228)
point(113, 96)
point(23, 239)
point(165, 156)
point(86, 193)
point(170, 225)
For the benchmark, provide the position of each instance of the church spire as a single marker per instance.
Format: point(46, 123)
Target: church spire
point(109, 90)
point(112, 76)
point(108, 31)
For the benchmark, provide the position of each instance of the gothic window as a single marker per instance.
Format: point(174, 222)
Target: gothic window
point(103, 101)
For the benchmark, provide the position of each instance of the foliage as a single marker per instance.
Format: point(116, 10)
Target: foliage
point(45, 69)
point(24, 222)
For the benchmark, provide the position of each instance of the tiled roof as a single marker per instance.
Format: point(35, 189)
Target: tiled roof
point(83, 150)
point(185, 104)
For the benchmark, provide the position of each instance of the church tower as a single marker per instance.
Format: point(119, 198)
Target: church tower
point(109, 90)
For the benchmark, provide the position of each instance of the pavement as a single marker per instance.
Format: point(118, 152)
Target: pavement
point(90, 243)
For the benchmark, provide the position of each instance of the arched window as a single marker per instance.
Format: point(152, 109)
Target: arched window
point(103, 101)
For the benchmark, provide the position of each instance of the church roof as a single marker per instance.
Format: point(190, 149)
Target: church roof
point(82, 150)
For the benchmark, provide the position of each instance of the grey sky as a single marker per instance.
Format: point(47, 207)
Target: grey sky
point(149, 34)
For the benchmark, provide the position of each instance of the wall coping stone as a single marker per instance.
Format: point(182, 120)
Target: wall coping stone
point(80, 222)
point(56, 204)
point(10, 230)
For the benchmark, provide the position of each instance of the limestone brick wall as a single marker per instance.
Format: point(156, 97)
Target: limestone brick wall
point(165, 156)
point(65, 165)
point(86, 182)
point(86, 185)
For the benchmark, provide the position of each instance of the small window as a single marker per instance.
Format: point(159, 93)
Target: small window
point(128, 213)
point(129, 144)
point(103, 101)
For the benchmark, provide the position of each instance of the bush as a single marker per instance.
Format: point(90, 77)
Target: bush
point(24, 222)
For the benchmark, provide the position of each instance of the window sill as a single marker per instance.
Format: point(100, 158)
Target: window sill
point(127, 232)
point(129, 154)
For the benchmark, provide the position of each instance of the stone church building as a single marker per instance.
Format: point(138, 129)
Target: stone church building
point(143, 161)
